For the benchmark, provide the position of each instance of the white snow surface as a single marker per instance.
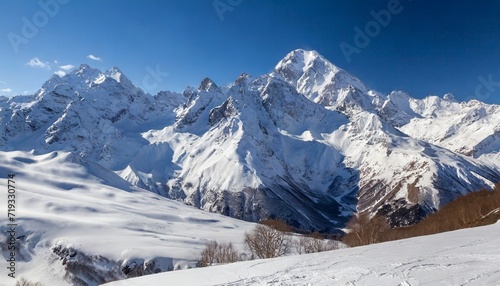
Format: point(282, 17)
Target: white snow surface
point(64, 201)
point(463, 257)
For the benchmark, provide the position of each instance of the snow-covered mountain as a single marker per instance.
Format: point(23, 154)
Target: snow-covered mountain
point(94, 114)
point(308, 143)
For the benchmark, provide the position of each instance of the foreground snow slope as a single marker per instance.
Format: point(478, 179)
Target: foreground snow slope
point(78, 222)
point(464, 257)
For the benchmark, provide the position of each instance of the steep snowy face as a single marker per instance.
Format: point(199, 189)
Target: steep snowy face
point(118, 76)
point(256, 155)
point(318, 79)
point(295, 64)
point(83, 75)
point(397, 109)
point(195, 115)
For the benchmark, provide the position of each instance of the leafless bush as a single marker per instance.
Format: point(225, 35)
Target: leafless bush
point(267, 242)
point(365, 230)
point(24, 282)
point(215, 253)
point(314, 243)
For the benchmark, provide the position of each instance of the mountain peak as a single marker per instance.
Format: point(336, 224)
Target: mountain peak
point(244, 77)
point(295, 63)
point(85, 69)
point(449, 97)
point(300, 62)
point(79, 77)
point(83, 66)
point(116, 74)
point(316, 77)
point(306, 54)
point(208, 85)
point(84, 72)
point(85, 77)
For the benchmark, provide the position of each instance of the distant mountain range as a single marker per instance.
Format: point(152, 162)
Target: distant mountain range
point(308, 143)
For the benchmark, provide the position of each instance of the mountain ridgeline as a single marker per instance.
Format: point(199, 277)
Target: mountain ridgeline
point(308, 143)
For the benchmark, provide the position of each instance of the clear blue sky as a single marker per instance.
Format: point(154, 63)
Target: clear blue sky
point(428, 47)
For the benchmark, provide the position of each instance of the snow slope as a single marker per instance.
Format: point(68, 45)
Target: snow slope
point(78, 221)
point(464, 257)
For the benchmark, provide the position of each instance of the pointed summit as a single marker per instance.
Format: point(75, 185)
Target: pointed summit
point(79, 78)
point(116, 74)
point(315, 77)
point(208, 85)
point(449, 97)
point(86, 71)
point(243, 78)
point(295, 63)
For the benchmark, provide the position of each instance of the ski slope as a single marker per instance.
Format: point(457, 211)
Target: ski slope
point(464, 257)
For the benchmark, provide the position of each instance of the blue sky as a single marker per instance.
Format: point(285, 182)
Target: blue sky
point(427, 47)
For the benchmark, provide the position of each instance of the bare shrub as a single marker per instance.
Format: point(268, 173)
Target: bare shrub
point(267, 242)
point(314, 243)
point(215, 253)
point(364, 230)
point(24, 282)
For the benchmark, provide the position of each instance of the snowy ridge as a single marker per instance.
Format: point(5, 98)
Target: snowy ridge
point(308, 143)
point(88, 112)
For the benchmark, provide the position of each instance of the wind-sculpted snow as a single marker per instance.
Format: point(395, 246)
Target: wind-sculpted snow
point(81, 224)
point(464, 257)
point(308, 142)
